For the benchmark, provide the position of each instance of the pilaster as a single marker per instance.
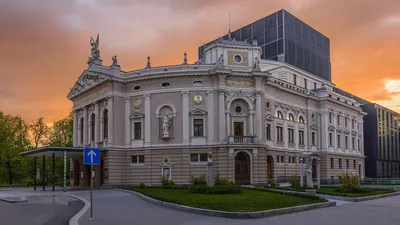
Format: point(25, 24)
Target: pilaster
point(147, 121)
point(324, 131)
point(221, 107)
point(97, 122)
point(127, 122)
point(110, 108)
point(210, 118)
point(258, 114)
point(75, 129)
point(185, 117)
point(85, 126)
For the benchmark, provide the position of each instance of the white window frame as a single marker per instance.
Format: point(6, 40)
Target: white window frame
point(198, 158)
point(137, 163)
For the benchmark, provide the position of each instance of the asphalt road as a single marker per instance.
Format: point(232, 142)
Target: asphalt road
point(39, 210)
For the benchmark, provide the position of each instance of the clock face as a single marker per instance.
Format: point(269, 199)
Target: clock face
point(198, 98)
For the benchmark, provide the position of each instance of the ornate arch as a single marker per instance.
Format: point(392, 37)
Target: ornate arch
point(247, 96)
point(166, 104)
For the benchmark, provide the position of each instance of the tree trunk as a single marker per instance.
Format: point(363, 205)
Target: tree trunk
point(10, 181)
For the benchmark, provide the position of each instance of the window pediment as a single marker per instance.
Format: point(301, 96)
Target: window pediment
point(314, 127)
point(198, 112)
point(269, 117)
point(136, 116)
point(331, 128)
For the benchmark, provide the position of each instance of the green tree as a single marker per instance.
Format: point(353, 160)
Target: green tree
point(40, 132)
point(61, 133)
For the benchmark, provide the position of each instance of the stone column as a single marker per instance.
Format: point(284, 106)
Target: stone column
point(85, 126)
point(75, 131)
point(110, 107)
point(324, 131)
point(285, 135)
point(334, 122)
point(222, 124)
point(296, 136)
point(185, 117)
point(97, 123)
point(147, 121)
point(252, 122)
point(228, 122)
point(127, 122)
point(258, 120)
point(210, 117)
point(362, 137)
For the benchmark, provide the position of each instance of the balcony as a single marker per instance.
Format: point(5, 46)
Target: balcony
point(241, 140)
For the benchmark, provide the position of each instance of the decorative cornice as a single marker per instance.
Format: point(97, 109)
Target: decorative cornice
point(185, 93)
point(146, 96)
point(210, 93)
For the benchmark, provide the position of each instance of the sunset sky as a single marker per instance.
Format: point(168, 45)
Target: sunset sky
point(44, 44)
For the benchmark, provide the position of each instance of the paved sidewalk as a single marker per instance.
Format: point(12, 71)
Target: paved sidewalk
point(119, 208)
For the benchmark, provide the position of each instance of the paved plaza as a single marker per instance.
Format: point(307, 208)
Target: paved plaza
point(119, 208)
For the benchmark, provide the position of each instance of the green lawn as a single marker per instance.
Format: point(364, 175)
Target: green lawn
point(337, 192)
point(247, 201)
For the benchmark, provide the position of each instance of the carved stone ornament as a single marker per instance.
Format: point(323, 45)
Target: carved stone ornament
point(354, 133)
point(103, 104)
point(346, 132)
point(198, 99)
point(269, 117)
point(246, 94)
point(84, 83)
point(314, 127)
point(331, 128)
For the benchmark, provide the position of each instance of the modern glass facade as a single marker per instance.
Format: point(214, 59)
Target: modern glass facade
point(382, 142)
point(283, 37)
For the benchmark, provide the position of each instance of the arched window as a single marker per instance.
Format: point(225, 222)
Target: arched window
point(81, 130)
point(105, 124)
point(279, 115)
point(301, 119)
point(291, 117)
point(92, 127)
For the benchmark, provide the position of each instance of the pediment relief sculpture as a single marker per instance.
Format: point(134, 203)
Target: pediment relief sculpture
point(84, 83)
point(331, 128)
point(354, 133)
point(269, 117)
point(314, 127)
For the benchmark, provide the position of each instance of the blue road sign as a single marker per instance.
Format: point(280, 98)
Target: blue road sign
point(91, 156)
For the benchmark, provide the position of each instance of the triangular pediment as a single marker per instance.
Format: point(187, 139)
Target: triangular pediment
point(198, 112)
point(314, 127)
point(136, 115)
point(331, 128)
point(86, 81)
point(269, 117)
point(354, 133)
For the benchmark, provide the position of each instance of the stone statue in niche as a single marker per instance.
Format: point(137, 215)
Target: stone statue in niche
point(166, 123)
point(220, 62)
point(256, 65)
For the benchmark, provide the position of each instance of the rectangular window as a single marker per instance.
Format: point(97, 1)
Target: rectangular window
point(330, 139)
point(202, 157)
point(282, 159)
point(198, 128)
point(279, 134)
point(301, 137)
point(305, 83)
point(338, 140)
point(332, 163)
point(294, 79)
point(137, 126)
point(352, 124)
point(290, 159)
point(346, 144)
point(138, 159)
point(345, 121)
point(340, 163)
point(358, 144)
point(353, 143)
point(338, 120)
point(347, 164)
point(330, 118)
point(291, 135)
point(354, 164)
point(268, 132)
point(313, 138)
point(315, 85)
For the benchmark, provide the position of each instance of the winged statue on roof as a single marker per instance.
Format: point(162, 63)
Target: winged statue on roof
point(95, 52)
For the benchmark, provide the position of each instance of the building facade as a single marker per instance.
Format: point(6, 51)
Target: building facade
point(382, 142)
point(283, 37)
point(254, 116)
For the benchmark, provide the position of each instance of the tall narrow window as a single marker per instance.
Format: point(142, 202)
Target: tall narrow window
point(330, 139)
point(198, 128)
point(332, 164)
point(340, 163)
point(353, 143)
point(301, 119)
point(313, 138)
point(346, 144)
point(358, 144)
point(291, 135)
point(352, 124)
point(137, 126)
point(268, 132)
point(92, 127)
point(347, 164)
point(338, 120)
point(330, 118)
point(291, 117)
point(305, 83)
point(294, 79)
point(279, 134)
point(315, 85)
point(301, 137)
point(279, 115)
point(338, 141)
point(105, 124)
point(354, 164)
point(345, 121)
point(81, 129)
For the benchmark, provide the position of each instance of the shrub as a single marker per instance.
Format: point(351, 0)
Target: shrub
point(272, 183)
point(198, 181)
point(349, 183)
point(27, 181)
point(295, 182)
point(142, 186)
point(222, 189)
point(218, 181)
point(167, 183)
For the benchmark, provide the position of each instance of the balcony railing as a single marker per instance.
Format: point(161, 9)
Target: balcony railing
point(241, 139)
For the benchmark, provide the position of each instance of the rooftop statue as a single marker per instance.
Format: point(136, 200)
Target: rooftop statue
point(95, 52)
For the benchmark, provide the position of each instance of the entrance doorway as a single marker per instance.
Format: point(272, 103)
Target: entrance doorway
point(238, 128)
point(76, 173)
point(270, 167)
point(314, 169)
point(242, 168)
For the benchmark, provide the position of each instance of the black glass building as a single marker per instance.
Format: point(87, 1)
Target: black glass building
point(283, 37)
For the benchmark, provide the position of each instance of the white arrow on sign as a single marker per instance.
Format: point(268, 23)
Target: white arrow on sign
point(91, 153)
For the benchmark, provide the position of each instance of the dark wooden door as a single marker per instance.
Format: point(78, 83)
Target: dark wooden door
point(76, 173)
point(238, 128)
point(270, 171)
point(242, 168)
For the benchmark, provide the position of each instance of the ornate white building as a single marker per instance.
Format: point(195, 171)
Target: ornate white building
point(255, 116)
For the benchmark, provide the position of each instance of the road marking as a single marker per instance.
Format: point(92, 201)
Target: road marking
point(75, 219)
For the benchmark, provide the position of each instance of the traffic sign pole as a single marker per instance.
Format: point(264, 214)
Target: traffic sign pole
point(91, 156)
point(91, 191)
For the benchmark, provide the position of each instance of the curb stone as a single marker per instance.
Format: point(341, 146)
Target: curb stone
point(237, 215)
point(340, 198)
point(75, 219)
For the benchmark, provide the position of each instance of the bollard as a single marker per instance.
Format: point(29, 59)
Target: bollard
point(55, 200)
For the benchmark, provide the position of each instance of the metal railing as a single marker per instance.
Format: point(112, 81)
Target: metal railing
point(242, 139)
